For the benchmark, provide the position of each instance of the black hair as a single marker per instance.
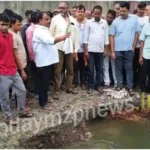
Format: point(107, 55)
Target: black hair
point(135, 11)
point(74, 7)
point(50, 14)
point(28, 12)
point(125, 5)
point(112, 12)
point(4, 17)
point(37, 10)
point(97, 7)
point(33, 17)
point(9, 12)
point(81, 7)
point(40, 15)
point(15, 18)
point(141, 5)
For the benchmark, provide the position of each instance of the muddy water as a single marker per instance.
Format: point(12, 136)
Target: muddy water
point(110, 134)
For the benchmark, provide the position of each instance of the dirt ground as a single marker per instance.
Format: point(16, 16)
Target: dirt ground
point(70, 109)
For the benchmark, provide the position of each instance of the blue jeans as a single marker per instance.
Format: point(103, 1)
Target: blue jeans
point(95, 61)
point(124, 58)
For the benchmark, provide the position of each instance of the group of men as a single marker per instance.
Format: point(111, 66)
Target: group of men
point(82, 49)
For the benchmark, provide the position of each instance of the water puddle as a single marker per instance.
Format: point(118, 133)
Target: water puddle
point(113, 134)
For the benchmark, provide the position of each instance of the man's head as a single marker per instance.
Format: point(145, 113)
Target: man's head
point(135, 12)
point(4, 23)
point(16, 22)
point(9, 12)
point(63, 8)
point(97, 12)
point(55, 12)
point(28, 14)
point(141, 9)
point(73, 11)
point(44, 19)
point(80, 14)
point(117, 9)
point(50, 14)
point(88, 14)
point(34, 16)
point(147, 10)
point(124, 9)
point(111, 15)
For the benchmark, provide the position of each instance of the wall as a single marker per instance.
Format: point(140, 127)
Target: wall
point(21, 6)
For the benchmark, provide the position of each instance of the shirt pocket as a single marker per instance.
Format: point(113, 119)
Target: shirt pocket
point(102, 32)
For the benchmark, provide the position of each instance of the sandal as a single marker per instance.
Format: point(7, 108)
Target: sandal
point(73, 91)
point(11, 122)
point(27, 109)
point(26, 115)
point(30, 102)
point(56, 95)
point(48, 107)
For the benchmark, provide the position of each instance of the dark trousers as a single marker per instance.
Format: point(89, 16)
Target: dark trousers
point(146, 74)
point(80, 69)
point(45, 76)
point(124, 58)
point(136, 68)
point(34, 77)
point(95, 61)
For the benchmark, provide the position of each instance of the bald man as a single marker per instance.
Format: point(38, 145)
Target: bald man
point(61, 24)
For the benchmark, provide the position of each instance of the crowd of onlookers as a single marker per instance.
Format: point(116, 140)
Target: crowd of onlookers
point(72, 50)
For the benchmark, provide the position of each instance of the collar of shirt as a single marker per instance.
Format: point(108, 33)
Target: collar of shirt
point(129, 16)
point(4, 35)
point(32, 25)
point(83, 22)
point(71, 19)
point(101, 20)
point(42, 27)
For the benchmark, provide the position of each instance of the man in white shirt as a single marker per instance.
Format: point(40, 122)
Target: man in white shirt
point(95, 42)
point(80, 68)
point(61, 24)
point(46, 55)
point(142, 19)
point(108, 61)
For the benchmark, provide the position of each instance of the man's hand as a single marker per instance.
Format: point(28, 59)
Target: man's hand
point(66, 36)
point(75, 56)
point(24, 75)
point(105, 52)
point(86, 55)
point(141, 61)
point(133, 49)
point(113, 55)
